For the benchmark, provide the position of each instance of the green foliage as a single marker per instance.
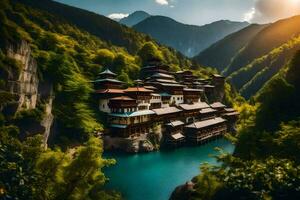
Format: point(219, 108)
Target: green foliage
point(268, 179)
point(73, 175)
point(219, 55)
point(17, 162)
point(29, 172)
point(207, 184)
point(265, 164)
point(149, 51)
point(104, 57)
point(252, 77)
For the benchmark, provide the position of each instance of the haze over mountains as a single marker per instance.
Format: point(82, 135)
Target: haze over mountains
point(134, 18)
point(188, 39)
point(252, 56)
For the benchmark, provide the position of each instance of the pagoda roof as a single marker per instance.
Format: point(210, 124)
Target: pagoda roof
point(165, 81)
point(206, 123)
point(110, 91)
point(137, 89)
point(229, 109)
point(231, 114)
point(107, 72)
point(217, 105)
point(164, 94)
point(150, 87)
point(107, 80)
point(207, 110)
point(175, 123)
point(133, 114)
point(177, 136)
point(165, 111)
point(194, 106)
point(122, 98)
point(192, 90)
point(171, 85)
point(162, 75)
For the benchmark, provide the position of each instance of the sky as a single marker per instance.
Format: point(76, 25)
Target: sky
point(196, 12)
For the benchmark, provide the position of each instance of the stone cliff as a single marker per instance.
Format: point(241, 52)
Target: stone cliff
point(29, 91)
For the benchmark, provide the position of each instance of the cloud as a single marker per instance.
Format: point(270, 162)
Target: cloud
point(248, 16)
point(118, 16)
point(266, 11)
point(162, 2)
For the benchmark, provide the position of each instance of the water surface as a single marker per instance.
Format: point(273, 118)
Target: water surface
point(153, 176)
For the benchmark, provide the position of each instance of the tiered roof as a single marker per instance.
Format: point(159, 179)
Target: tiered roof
point(194, 106)
point(175, 123)
point(107, 72)
point(138, 89)
point(110, 91)
point(165, 111)
point(217, 105)
point(206, 123)
point(122, 98)
point(133, 114)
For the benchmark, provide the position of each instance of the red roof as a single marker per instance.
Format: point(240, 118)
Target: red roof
point(110, 91)
point(137, 89)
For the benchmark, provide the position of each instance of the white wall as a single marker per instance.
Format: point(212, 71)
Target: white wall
point(103, 105)
point(178, 99)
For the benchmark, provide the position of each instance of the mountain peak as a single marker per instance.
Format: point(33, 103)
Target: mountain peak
point(188, 39)
point(134, 18)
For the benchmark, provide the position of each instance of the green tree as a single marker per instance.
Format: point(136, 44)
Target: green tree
point(149, 51)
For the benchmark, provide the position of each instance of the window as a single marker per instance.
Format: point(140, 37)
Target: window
point(103, 105)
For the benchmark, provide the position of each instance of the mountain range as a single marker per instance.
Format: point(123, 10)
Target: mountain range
point(252, 56)
point(188, 39)
point(134, 18)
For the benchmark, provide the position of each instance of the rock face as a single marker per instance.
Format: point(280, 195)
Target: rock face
point(129, 145)
point(183, 192)
point(26, 85)
point(47, 121)
point(28, 89)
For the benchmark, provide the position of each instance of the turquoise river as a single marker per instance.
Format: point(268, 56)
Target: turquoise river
point(153, 176)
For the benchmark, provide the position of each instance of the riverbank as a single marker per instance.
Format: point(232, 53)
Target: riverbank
point(154, 175)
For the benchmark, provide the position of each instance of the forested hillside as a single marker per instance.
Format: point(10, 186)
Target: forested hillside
point(257, 57)
point(47, 64)
point(188, 39)
point(265, 164)
point(219, 54)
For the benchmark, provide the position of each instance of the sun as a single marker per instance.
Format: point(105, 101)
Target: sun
point(294, 2)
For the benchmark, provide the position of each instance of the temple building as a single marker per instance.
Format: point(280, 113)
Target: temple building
point(174, 104)
point(141, 95)
point(186, 78)
point(192, 111)
point(203, 131)
point(174, 135)
point(107, 87)
point(126, 120)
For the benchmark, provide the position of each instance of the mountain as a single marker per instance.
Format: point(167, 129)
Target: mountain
point(188, 39)
point(134, 18)
point(98, 25)
point(260, 55)
point(265, 41)
point(219, 54)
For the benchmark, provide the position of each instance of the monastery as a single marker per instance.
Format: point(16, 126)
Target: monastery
point(163, 107)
